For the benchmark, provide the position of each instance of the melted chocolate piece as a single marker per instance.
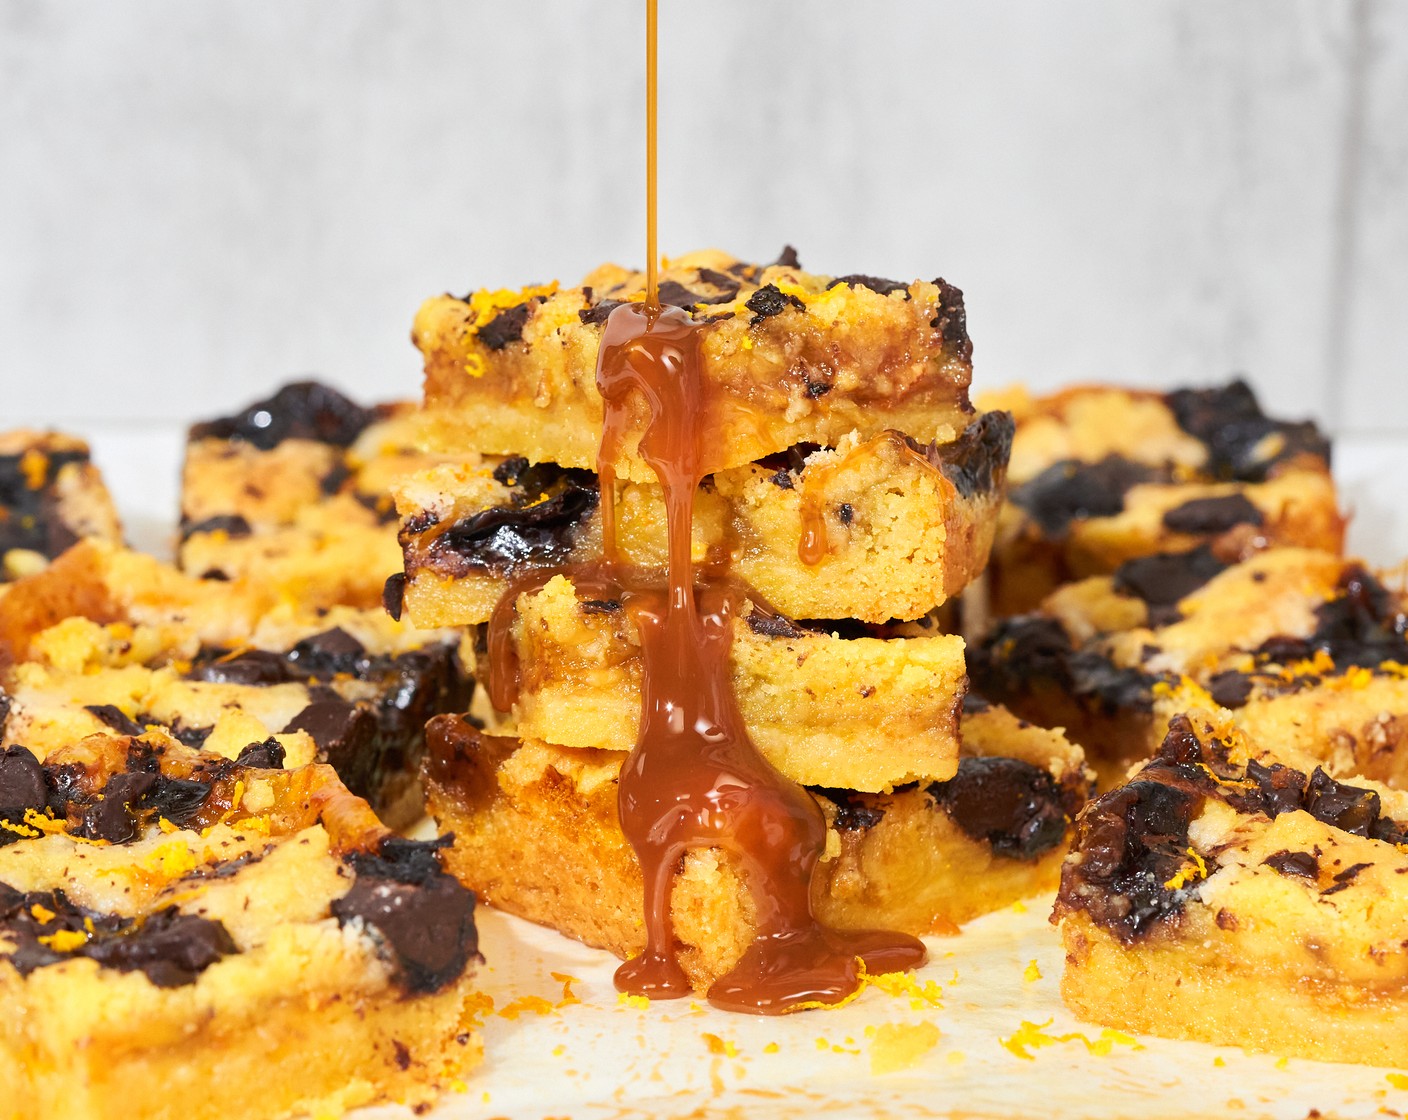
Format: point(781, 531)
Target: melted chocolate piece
point(1209, 516)
point(323, 656)
point(768, 301)
point(346, 735)
point(1129, 844)
point(1346, 807)
point(1229, 421)
point(675, 294)
point(1230, 689)
point(231, 524)
point(112, 716)
point(423, 916)
point(114, 816)
point(1164, 578)
point(393, 595)
point(874, 283)
point(248, 667)
point(177, 800)
point(1302, 864)
point(505, 327)
point(773, 626)
point(301, 410)
point(1071, 490)
point(170, 948)
point(268, 755)
point(22, 788)
point(539, 526)
point(976, 462)
point(786, 259)
point(1014, 806)
point(952, 320)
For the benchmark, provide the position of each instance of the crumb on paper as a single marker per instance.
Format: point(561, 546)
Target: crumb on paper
point(1019, 907)
point(718, 1045)
point(898, 984)
point(1032, 1036)
point(625, 999)
point(1282, 1063)
point(568, 996)
point(1219, 1061)
point(1397, 1080)
point(536, 1004)
point(559, 1050)
point(1031, 973)
point(897, 1046)
point(955, 1057)
point(771, 1048)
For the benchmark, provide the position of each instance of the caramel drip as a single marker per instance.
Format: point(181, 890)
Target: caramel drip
point(813, 546)
point(652, 255)
point(694, 778)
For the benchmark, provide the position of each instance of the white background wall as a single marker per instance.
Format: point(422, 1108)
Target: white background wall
point(199, 199)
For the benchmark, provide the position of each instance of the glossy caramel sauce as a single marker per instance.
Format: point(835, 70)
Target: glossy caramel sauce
point(695, 779)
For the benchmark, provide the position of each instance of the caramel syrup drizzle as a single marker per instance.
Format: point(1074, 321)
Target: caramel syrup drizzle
point(694, 778)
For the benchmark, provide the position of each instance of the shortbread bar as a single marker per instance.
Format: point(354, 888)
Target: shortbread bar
point(182, 935)
point(854, 712)
point(1242, 898)
point(537, 833)
point(295, 490)
point(789, 358)
point(51, 496)
point(873, 530)
point(1101, 475)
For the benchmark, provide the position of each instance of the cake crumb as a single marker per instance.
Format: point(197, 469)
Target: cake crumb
point(1032, 973)
point(898, 1046)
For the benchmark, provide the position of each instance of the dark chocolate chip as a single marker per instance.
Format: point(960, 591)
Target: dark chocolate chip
point(874, 283)
point(114, 817)
point(773, 626)
point(170, 948)
point(952, 320)
point(22, 788)
point(976, 462)
point(1346, 807)
point(323, 656)
point(786, 259)
point(1071, 490)
point(1294, 863)
point(674, 294)
point(1012, 805)
point(110, 715)
point(1209, 516)
point(1230, 689)
point(301, 410)
point(393, 595)
point(511, 470)
point(231, 524)
point(1164, 578)
point(505, 327)
point(268, 755)
point(855, 811)
point(845, 513)
point(248, 667)
point(177, 800)
point(768, 301)
point(1229, 421)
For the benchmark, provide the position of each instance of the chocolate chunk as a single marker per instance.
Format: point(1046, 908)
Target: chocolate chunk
point(301, 410)
point(1071, 490)
point(325, 655)
point(194, 737)
point(1279, 789)
point(170, 948)
point(1293, 863)
point(855, 811)
point(505, 327)
point(674, 294)
point(110, 715)
point(393, 595)
point(248, 667)
point(114, 817)
point(786, 259)
point(874, 283)
point(22, 788)
point(231, 524)
point(974, 705)
point(600, 606)
point(1342, 806)
point(782, 479)
point(768, 301)
point(952, 320)
point(1209, 516)
point(424, 917)
point(1164, 578)
point(268, 755)
point(773, 626)
point(177, 800)
point(845, 513)
point(598, 314)
point(976, 462)
point(337, 476)
point(30, 516)
point(1130, 843)
point(1230, 689)
point(346, 736)
point(538, 528)
point(1012, 805)
point(1229, 421)
point(511, 470)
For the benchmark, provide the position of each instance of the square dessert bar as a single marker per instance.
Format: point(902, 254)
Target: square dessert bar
point(1305, 646)
point(873, 530)
point(1237, 894)
point(187, 936)
point(858, 712)
point(791, 358)
point(344, 686)
point(296, 489)
point(1100, 476)
point(51, 496)
point(536, 833)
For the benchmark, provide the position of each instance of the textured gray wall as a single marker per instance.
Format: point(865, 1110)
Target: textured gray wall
point(198, 199)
